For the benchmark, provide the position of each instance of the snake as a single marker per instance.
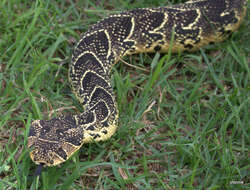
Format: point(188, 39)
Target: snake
point(189, 26)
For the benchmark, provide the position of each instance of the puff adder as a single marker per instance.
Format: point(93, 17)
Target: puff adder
point(194, 23)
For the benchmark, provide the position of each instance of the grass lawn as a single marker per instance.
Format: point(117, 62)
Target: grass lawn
point(184, 118)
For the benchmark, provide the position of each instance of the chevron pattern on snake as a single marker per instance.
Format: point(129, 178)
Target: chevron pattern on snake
point(193, 24)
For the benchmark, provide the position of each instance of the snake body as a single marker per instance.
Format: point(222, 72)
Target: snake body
point(192, 25)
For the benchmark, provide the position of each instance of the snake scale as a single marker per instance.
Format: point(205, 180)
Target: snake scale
point(193, 24)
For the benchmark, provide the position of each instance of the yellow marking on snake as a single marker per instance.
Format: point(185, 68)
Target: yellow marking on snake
point(195, 23)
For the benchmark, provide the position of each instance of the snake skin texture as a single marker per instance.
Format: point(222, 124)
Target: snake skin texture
point(192, 24)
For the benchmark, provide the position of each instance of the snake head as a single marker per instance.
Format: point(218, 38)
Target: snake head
point(54, 141)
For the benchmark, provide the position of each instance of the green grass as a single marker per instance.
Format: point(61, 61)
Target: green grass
point(184, 122)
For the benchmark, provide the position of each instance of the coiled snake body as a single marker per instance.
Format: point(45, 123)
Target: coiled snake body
point(193, 24)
